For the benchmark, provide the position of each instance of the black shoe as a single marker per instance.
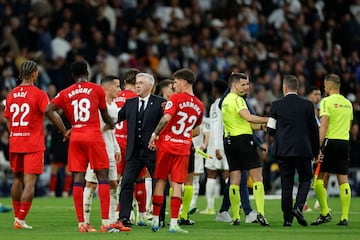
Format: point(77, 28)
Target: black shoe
point(235, 222)
point(262, 220)
point(126, 222)
point(322, 219)
point(193, 210)
point(300, 218)
point(343, 222)
point(287, 224)
point(188, 221)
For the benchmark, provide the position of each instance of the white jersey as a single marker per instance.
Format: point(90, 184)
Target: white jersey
point(204, 128)
point(111, 144)
point(216, 138)
point(198, 141)
point(216, 128)
point(109, 135)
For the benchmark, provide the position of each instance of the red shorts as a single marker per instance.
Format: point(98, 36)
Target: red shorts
point(175, 165)
point(81, 153)
point(29, 163)
point(142, 173)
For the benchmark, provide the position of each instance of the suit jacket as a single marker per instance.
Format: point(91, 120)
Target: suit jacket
point(152, 115)
point(293, 125)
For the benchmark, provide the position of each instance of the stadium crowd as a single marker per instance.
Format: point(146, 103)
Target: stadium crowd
point(264, 39)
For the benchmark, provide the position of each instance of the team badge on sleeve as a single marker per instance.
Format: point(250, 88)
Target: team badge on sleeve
point(169, 104)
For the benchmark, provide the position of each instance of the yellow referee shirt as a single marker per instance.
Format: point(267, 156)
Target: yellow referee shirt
point(234, 124)
point(340, 113)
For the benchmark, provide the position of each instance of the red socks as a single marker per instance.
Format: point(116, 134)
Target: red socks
point(78, 201)
point(53, 182)
point(157, 202)
point(175, 204)
point(104, 195)
point(24, 210)
point(140, 196)
point(16, 206)
point(68, 182)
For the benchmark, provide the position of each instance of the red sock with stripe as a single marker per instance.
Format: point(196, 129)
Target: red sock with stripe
point(78, 192)
point(157, 202)
point(104, 195)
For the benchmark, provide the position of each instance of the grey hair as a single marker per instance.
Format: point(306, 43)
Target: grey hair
point(148, 76)
point(26, 69)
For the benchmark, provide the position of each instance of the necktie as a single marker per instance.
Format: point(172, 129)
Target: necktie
point(142, 108)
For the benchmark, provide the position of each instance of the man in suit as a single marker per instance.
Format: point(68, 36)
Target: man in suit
point(296, 143)
point(142, 114)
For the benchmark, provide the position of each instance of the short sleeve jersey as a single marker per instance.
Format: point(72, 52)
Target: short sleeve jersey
point(121, 128)
point(25, 108)
point(340, 113)
point(81, 102)
point(216, 126)
point(204, 128)
point(187, 112)
point(234, 124)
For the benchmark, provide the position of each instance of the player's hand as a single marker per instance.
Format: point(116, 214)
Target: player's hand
point(66, 135)
point(264, 147)
point(218, 154)
point(264, 127)
point(152, 145)
point(117, 157)
point(320, 156)
point(107, 127)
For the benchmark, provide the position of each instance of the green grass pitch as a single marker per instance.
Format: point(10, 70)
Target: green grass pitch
point(54, 218)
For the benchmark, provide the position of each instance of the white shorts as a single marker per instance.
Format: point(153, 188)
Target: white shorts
point(90, 175)
point(214, 163)
point(198, 164)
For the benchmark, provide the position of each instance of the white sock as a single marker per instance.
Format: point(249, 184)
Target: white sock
point(105, 222)
point(173, 222)
point(196, 187)
point(87, 202)
point(118, 189)
point(148, 187)
point(210, 192)
point(113, 205)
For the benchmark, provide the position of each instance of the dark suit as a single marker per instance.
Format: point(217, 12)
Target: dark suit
point(296, 142)
point(137, 153)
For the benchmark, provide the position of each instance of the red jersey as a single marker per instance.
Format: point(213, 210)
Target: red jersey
point(121, 127)
point(81, 103)
point(25, 109)
point(187, 112)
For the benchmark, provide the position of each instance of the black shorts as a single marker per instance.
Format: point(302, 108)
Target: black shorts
point(336, 157)
point(241, 153)
point(191, 159)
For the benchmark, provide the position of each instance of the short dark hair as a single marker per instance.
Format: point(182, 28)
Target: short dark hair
point(79, 68)
point(130, 76)
point(165, 83)
point(235, 77)
point(291, 82)
point(185, 74)
point(311, 89)
point(108, 78)
point(220, 86)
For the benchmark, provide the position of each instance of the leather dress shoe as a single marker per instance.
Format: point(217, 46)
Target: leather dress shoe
point(300, 218)
point(126, 222)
